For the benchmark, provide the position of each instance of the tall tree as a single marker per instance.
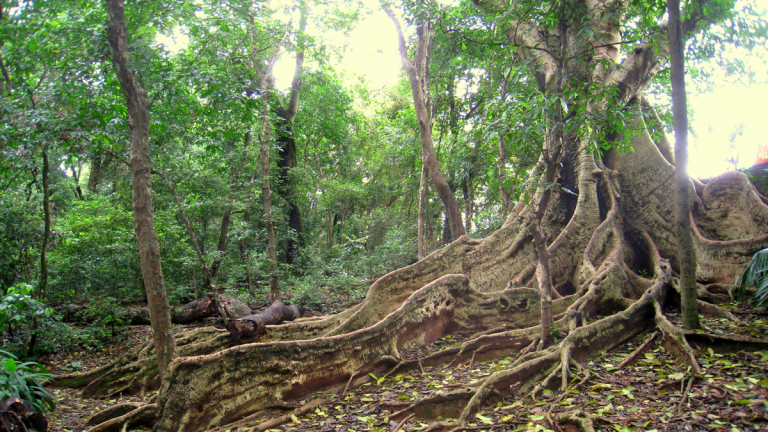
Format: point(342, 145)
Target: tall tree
point(262, 69)
point(418, 76)
point(686, 253)
point(286, 139)
point(137, 102)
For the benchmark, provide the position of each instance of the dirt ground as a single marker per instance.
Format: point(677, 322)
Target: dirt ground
point(649, 395)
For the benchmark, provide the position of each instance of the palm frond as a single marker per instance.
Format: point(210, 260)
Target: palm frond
point(755, 274)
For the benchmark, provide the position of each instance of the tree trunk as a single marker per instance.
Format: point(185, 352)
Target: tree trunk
point(76, 178)
point(418, 75)
point(43, 284)
point(209, 274)
point(686, 254)
point(287, 144)
point(469, 205)
point(421, 241)
point(149, 250)
point(504, 192)
point(47, 230)
point(99, 163)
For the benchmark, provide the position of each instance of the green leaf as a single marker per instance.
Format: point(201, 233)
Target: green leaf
point(484, 419)
point(10, 365)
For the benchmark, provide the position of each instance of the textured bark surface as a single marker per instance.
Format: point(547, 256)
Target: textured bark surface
point(141, 186)
point(686, 254)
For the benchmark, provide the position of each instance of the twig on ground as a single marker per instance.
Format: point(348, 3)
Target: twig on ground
point(684, 399)
point(639, 351)
point(402, 423)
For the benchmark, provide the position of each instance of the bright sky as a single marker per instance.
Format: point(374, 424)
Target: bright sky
point(719, 114)
point(372, 53)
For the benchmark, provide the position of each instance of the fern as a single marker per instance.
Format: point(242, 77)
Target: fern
point(755, 274)
point(25, 380)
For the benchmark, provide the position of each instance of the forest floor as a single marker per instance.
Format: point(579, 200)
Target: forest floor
point(649, 395)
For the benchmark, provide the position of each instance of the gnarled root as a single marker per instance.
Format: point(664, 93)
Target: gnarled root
point(144, 415)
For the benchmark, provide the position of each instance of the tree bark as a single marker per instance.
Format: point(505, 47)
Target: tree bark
point(264, 72)
point(469, 198)
point(287, 157)
point(421, 241)
point(418, 75)
point(141, 185)
point(43, 284)
point(94, 176)
point(47, 230)
point(686, 254)
point(504, 192)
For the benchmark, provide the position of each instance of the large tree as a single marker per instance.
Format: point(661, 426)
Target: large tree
point(607, 226)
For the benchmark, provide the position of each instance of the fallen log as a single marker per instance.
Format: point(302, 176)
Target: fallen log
point(255, 325)
point(199, 309)
point(193, 311)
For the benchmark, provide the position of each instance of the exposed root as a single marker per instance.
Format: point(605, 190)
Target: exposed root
point(113, 412)
point(675, 342)
point(587, 375)
point(145, 415)
point(710, 309)
point(249, 422)
point(402, 423)
point(631, 358)
point(446, 405)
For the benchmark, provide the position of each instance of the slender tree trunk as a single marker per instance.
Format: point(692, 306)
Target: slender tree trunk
point(246, 216)
point(137, 103)
point(552, 151)
point(94, 176)
point(469, 205)
point(266, 141)
point(263, 70)
point(41, 287)
point(209, 274)
point(504, 192)
point(421, 241)
point(418, 75)
point(76, 177)
point(47, 233)
point(226, 219)
point(287, 143)
point(686, 255)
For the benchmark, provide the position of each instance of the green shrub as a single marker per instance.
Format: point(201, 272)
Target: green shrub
point(18, 307)
point(755, 274)
point(25, 380)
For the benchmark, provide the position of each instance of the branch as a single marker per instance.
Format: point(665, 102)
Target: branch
point(293, 105)
point(400, 38)
point(6, 76)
